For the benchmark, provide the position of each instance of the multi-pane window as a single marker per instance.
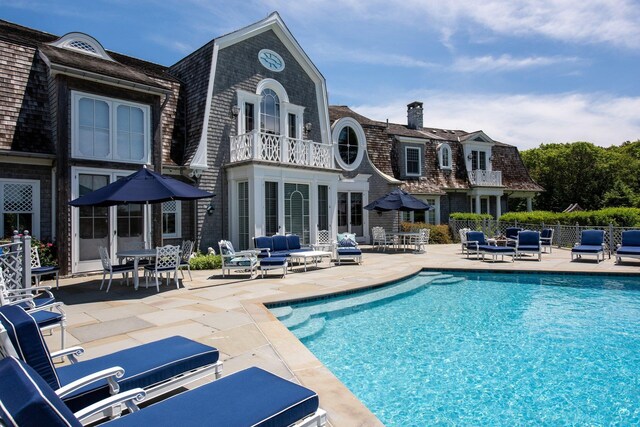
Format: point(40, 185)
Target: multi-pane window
point(110, 129)
point(171, 219)
point(445, 157)
point(479, 160)
point(348, 145)
point(249, 117)
point(271, 208)
point(412, 161)
point(296, 210)
point(19, 207)
point(243, 215)
point(323, 207)
point(293, 125)
point(270, 112)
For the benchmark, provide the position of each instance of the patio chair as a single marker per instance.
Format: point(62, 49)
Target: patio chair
point(474, 242)
point(167, 262)
point(324, 242)
point(463, 238)
point(237, 261)
point(381, 239)
point(159, 367)
point(236, 400)
point(630, 246)
point(528, 242)
point(37, 270)
point(40, 303)
point(107, 267)
point(511, 234)
point(347, 248)
point(185, 256)
point(421, 240)
point(591, 243)
point(546, 239)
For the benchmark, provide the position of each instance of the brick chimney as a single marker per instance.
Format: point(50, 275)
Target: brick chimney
point(414, 115)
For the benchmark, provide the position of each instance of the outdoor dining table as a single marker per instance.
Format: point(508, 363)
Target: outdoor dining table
point(405, 237)
point(136, 254)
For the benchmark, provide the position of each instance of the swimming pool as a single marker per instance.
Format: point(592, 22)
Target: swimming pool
point(484, 348)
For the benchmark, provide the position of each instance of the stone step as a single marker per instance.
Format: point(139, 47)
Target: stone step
point(282, 312)
point(312, 328)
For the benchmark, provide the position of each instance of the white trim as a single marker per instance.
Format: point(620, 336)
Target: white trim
point(274, 85)
point(178, 221)
point(265, 61)
point(406, 169)
point(338, 126)
point(440, 149)
point(113, 104)
point(66, 41)
point(35, 204)
point(245, 97)
point(411, 140)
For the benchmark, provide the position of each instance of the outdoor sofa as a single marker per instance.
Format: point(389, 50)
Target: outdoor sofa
point(278, 245)
point(159, 367)
point(252, 397)
point(630, 247)
point(591, 243)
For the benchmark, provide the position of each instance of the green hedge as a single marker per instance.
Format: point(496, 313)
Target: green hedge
point(469, 216)
point(439, 234)
point(205, 262)
point(618, 217)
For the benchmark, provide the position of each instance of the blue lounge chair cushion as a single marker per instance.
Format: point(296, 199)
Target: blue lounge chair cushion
point(279, 243)
point(592, 238)
point(38, 302)
point(27, 399)
point(27, 340)
point(273, 261)
point(40, 271)
point(628, 250)
point(347, 243)
point(631, 238)
point(280, 254)
point(475, 236)
point(46, 318)
point(546, 234)
point(252, 397)
point(528, 240)
point(143, 365)
point(119, 268)
point(497, 249)
point(263, 242)
point(512, 232)
point(349, 251)
point(293, 242)
point(587, 249)
point(239, 261)
point(528, 248)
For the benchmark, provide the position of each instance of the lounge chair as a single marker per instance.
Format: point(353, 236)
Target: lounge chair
point(511, 234)
point(528, 242)
point(463, 239)
point(477, 243)
point(630, 247)
point(159, 367)
point(252, 397)
point(591, 243)
point(237, 261)
point(347, 248)
point(546, 239)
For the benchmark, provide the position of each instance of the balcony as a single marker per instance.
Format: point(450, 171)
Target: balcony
point(482, 178)
point(280, 149)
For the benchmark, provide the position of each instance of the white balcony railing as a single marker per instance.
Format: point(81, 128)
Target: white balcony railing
point(281, 149)
point(484, 178)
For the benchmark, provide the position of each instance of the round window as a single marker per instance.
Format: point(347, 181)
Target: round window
point(348, 145)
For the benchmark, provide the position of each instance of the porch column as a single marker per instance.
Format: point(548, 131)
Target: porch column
point(478, 204)
point(498, 207)
point(529, 204)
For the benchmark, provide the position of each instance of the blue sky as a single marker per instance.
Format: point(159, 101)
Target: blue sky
point(524, 71)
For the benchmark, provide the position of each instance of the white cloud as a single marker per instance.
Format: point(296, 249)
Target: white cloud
point(524, 120)
point(507, 62)
point(335, 53)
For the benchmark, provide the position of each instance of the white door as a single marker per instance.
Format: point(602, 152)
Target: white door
point(350, 213)
point(116, 227)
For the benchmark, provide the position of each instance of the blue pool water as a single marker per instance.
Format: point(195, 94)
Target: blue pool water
point(484, 348)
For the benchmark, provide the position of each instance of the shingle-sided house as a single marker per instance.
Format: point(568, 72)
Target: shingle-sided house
point(245, 117)
point(453, 170)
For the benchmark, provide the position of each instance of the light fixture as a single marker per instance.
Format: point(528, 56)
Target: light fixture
point(307, 127)
point(491, 158)
point(235, 110)
point(211, 208)
point(469, 157)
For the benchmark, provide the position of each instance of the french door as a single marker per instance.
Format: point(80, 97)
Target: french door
point(350, 213)
point(116, 227)
point(296, 210)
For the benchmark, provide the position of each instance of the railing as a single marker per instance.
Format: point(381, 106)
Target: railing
point(280, 149)
point(563, 235)
point(485, 178)
point(15, 261)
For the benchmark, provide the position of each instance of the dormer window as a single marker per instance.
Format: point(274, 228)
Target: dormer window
point(444, 156)
point(412, 161)
point(82, 43)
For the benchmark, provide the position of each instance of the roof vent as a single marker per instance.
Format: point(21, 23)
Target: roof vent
point(82, 43)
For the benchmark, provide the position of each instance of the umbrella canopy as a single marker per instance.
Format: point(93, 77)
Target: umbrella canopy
point(143, 186)
point(398, 200)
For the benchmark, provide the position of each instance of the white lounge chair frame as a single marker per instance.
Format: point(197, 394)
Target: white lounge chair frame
point(252, 256)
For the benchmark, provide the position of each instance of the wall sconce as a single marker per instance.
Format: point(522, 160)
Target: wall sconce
point(307, 127)
point(491, 158)
point(235, 110)
point(211, 208)
point(469, 157)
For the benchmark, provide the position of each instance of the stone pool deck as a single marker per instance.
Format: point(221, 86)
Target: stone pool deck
point(229, 313)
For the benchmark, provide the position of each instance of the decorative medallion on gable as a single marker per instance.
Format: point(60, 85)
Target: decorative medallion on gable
point(271, 60)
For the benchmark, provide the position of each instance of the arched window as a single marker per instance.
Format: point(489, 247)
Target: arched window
point(348, 145)
point(270, 112)
point(444, 154)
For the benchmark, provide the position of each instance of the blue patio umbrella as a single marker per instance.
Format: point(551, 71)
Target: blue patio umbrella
point(398, 200)
point(144, 186)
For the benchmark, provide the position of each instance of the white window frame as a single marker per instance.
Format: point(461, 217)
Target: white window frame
point(362, 142)
point(406, 158)
point(441, 157)
point(178, 221)
point(35, 204)
point(113, 105)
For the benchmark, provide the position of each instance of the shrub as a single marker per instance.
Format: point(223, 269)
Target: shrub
point(470, 216)
point(618, 217)
point(205, 262)
point(47, 251)
point(438, 234)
